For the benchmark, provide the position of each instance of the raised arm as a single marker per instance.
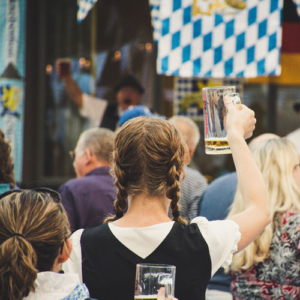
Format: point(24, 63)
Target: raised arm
point(63, 69)
point(255, 217)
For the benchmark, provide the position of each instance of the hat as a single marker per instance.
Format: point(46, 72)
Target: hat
point(129, 80)
point(296, 106)
point(137, 111)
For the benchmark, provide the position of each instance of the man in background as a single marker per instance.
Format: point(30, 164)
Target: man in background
point(101, 113)
point(194, 184)
point(89, 198)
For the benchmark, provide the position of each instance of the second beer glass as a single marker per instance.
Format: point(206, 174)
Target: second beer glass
point(151, 277)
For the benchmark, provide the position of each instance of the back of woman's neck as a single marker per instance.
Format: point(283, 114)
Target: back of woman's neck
point(145, 211)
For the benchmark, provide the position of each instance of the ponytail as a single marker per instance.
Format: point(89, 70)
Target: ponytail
point(17, 268)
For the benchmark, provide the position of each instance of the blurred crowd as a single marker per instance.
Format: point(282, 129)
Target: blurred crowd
point(136, 199)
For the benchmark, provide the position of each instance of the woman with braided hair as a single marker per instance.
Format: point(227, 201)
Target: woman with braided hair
point(148, 159)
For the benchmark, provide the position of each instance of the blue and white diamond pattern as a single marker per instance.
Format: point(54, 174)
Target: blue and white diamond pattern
point(84, 6)
point(156, 24)
point(297, 3)
point(244, 44)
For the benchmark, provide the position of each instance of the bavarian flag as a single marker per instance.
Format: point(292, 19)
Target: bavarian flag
point(84, 6)
point(218, 38)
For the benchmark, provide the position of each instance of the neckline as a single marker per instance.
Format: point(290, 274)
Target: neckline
point(173, 228)
point(145, 227)
point(98, 171)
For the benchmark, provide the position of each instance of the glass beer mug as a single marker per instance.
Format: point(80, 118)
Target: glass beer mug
point(215, 118)
point(151, 277)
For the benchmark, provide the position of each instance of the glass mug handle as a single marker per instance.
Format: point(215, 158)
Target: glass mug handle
point(235, 98)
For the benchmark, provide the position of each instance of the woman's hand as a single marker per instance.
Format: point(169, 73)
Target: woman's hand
point(240, 120)
point(161, 295)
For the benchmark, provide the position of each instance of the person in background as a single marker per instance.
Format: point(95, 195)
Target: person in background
point(269, 267)
point(294, 136)
point(148, 160)
point(194, 183)
point(101, 113)
point(34, 242)
point(137, 111)
point(215, 205)
point(7, 179)
point(88, 199)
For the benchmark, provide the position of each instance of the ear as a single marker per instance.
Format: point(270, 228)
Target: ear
point(89, 156)
point(66, 251)
point(192, 151)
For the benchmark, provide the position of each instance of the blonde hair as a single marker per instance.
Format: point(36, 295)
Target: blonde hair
point(149, 155)
point(276, 160)
point(42, 227)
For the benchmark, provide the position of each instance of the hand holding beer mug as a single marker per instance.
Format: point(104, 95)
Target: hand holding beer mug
point(151, 277)
point(161, 295)
point(215, 117)
point(240, 123)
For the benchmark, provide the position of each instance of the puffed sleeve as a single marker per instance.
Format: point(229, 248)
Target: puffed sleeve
point(222, 238)
point(73, 264)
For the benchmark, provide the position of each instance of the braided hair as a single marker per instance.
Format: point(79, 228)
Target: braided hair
point(149, 156)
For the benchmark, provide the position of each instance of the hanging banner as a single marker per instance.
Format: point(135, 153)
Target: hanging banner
point(188, 94)
point(297, 4)
point(219, 38)
point(12, 66)
point(155, 21)
point(84, 6)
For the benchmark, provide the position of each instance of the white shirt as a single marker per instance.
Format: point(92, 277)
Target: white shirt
point(54, 286)
point(221, 237)
point(93, 108)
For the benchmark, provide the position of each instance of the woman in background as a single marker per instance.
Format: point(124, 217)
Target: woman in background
point(269, 267)
point(34, 242)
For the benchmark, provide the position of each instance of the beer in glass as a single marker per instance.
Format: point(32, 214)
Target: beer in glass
point(215, 118)
point(151, 277)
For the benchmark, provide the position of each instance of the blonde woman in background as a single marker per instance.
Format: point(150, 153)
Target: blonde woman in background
point(269, 267)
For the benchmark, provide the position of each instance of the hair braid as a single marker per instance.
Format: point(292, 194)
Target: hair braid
point(120, 203)
point(173, 188)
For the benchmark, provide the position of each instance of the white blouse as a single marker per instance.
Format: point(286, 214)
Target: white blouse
point(221, 237)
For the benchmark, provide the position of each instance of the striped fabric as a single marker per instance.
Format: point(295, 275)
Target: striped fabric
point(191, 190)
